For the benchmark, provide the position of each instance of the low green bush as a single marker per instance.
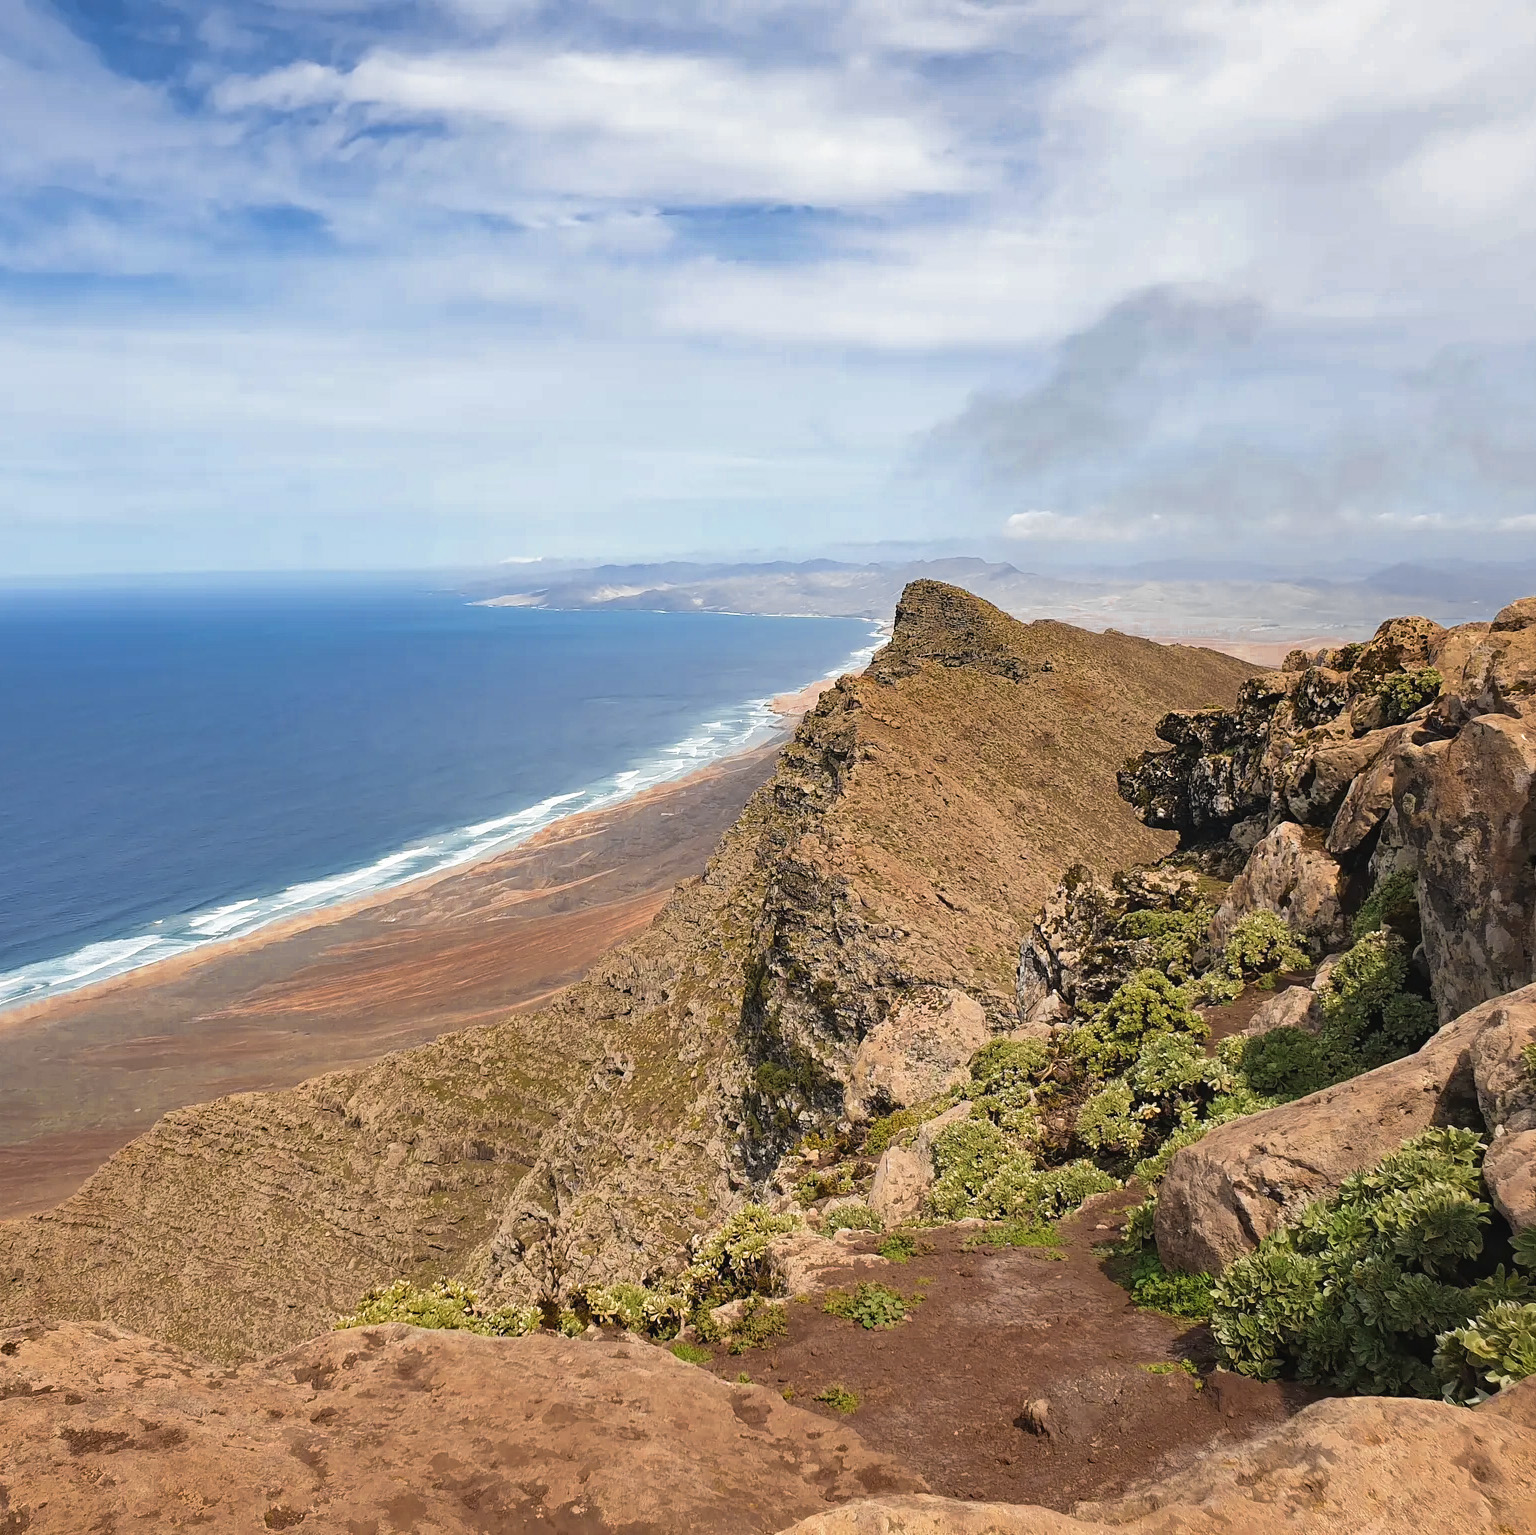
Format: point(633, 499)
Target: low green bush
point(448, 1304)
point(1147, 1004)
point(838, 1398)
point(1394, 903)
point(733, 1262)
point(851, 1217)
point(1405, 693)
point(1286, 1063)
point(871, 1305)
point(1261, 944)
point(1369, 1015)
point(899, 1247)
point(691, 1353)
point(761, 1322)
point(1155, 1288)
point(884, 1131)
point(1494, 1351)
point(1356, 1291)
point(1175, 940)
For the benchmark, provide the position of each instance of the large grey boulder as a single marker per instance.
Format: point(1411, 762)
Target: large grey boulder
point(924, 1048)
point(1509, 1170)
point(1222, 1196)
point(1291, 874)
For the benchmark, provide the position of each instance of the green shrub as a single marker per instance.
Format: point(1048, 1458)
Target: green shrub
point(966, 1157)
point(884, 1131)
point(838, 1398)
point(1394, 903)
point(1262, 944)
point(1145, 1005)
point(761, 1322)
point(871, 1305)
point(1405, 693)
point(447, 1304)
point(1018, 1233)
point(1008, 1066)
point(1368, 1016)
point(1494, 1351)
point(1175, 939)
point(1354, 1293)
point(1286, 1063)
point(691, 1353)
point(1155, 1288)
point(733, 1262)
point(1139, 1223)
point(657, 1313)
point(824, 1183)
point(851, 1217)
point(899, 1247)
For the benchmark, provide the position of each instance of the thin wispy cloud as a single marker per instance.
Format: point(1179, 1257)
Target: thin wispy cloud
point(1185, 261)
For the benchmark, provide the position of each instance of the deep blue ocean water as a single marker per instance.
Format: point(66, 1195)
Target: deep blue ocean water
point(180, 765)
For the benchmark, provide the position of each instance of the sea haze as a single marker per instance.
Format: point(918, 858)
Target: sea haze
point(178, 766)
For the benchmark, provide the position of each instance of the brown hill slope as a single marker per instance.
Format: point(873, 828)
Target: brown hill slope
point(922, 812)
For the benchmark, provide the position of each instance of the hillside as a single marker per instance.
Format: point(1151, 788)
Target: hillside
point(921, 815)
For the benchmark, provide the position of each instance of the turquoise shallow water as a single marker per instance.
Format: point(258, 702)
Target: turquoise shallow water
point(179, 766)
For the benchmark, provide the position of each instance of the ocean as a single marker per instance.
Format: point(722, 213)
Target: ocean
point(185, 764)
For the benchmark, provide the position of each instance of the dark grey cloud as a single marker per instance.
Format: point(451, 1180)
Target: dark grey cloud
point(1184, 418)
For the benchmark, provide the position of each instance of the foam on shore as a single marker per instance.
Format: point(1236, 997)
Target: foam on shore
point(735, 730)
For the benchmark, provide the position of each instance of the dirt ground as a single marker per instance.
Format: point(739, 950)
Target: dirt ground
point(946, 1390)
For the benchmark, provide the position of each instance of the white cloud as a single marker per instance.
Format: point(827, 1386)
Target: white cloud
point(651, 125)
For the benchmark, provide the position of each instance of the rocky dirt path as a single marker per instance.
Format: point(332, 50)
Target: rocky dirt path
point(945, 1392)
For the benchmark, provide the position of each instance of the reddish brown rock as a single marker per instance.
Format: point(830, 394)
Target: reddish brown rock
point(1351, 1466)
point(395, 1429)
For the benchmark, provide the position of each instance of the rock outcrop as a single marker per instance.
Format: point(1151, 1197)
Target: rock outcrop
point(1359, 1466)
point(919, 817)
point(1290, 874)
point(1412, 752)
point(1222, 1196)
point(923, 1048)
point(396, 1428)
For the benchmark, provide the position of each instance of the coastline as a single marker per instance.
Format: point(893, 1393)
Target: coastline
point(88, 1070)
point(178, 938)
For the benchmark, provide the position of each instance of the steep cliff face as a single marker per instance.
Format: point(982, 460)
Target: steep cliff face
point(922, 813)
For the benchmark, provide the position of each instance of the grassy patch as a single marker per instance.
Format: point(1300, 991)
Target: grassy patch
point(1176, 1367)
point(691, 1353)
point(901, 1246)
point(1037, 1234)
point(870, 1305)
point(839, 1398)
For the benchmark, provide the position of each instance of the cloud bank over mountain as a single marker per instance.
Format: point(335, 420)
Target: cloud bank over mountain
point(349, 283)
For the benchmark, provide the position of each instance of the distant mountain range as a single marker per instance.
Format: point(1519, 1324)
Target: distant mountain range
point(1210, 602)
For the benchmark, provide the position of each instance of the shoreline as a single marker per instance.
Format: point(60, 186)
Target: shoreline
point(762, 722)
point(88, 1071)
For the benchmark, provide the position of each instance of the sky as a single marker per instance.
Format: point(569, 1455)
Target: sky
point(335, 284)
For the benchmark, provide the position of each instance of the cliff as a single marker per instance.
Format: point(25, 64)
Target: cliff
point(921, 814)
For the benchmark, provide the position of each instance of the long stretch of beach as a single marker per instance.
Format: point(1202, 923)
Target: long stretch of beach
point(83, 1073)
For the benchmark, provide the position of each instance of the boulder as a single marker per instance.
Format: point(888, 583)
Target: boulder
point(1222, 1196)
point(930, 1131)
point(397, 1428)
point(1290, 874)
point(1464, 806)
point(1344, 1466)
point(902, 1178)
point(1509, 1170)
point(1499, 675)
point(1294, 1008)
point(1311, 785)
point(1369, 796)
point(801, 1260)
point(923, 1048)
point(1506, 1086)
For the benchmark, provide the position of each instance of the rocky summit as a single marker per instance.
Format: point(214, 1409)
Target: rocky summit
point(1092, 1086)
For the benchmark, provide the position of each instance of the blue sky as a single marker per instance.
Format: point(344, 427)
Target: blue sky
point(337, 284)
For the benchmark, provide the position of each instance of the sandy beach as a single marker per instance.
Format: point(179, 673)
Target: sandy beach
point(82, 1074)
